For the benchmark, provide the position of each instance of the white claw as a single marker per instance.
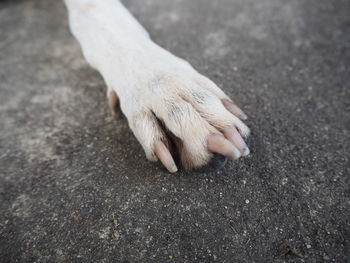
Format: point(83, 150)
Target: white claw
point(218, 144)
point(165, 157)
point(234, 137)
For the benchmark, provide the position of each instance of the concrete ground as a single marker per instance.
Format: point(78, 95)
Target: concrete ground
point(75, 185)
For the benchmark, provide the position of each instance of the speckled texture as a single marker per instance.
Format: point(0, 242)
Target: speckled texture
point(75, 185)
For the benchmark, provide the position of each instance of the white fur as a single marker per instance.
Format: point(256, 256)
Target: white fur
point(149, 80)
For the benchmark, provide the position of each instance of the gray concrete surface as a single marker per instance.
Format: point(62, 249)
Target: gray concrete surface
point(75, 185)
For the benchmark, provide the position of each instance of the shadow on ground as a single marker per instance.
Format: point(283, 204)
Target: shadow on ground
point(75, 185)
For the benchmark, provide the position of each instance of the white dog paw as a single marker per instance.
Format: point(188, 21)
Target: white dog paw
point(178, 114)
point(172, 109)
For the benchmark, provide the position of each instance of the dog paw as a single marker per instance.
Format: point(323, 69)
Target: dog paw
point(174, 112)
point(178, 115)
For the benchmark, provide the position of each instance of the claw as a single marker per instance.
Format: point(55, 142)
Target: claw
point(233, 136)
point(165, 157)
point(218, 144)
point(113, 102)
point(234, 109)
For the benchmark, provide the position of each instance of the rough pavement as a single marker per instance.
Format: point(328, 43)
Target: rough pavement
point(75, 185)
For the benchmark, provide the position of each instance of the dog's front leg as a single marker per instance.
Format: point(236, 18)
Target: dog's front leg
point(161, 95)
